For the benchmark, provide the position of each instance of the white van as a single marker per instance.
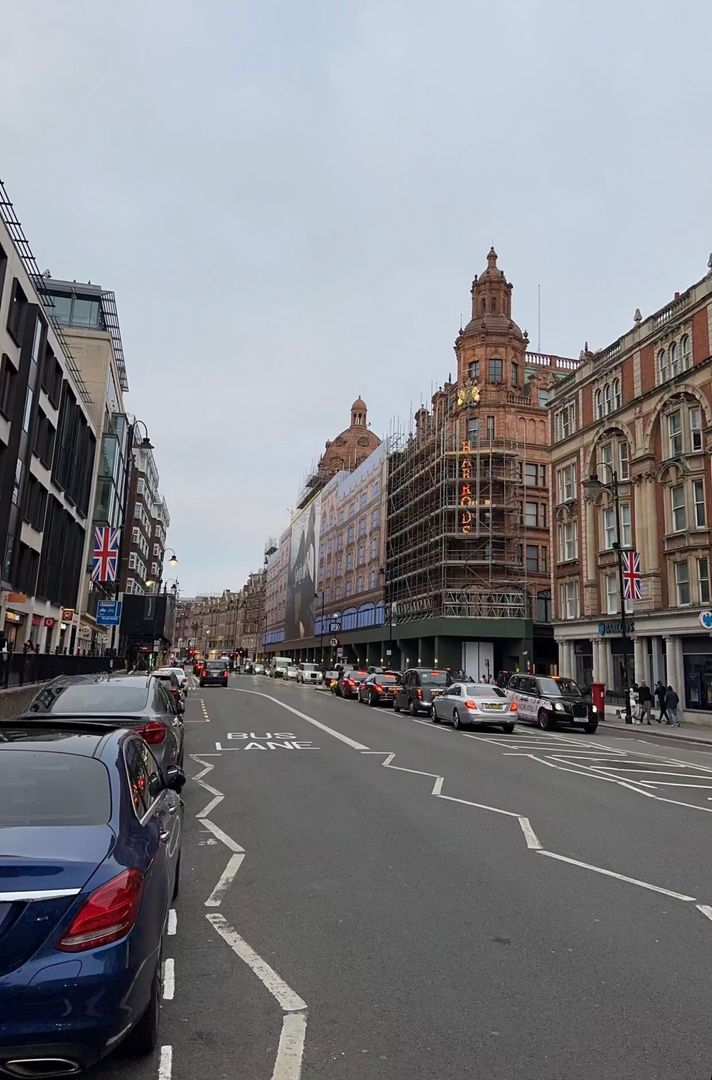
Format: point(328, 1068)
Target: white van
point(278, 667)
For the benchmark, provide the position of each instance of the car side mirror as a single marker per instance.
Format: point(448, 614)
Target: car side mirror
point(155, 785)
point(180, 707)
point(175, 778)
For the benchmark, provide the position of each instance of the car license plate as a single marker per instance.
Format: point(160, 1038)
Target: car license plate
point(491, 706)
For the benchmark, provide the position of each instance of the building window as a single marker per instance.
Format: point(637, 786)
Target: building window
point(359, 583)
point(609, 528)
point(674, 435)
point(350, 535)
point(703, 580)
point(372, 580)
point(677, 505)
point(695, 421)
point(494, 370)
point(616, 394)
point(567, 483)
point(606, 455)
point(626, 527)
point(133, 560)
point(340, 542)
point(473, 429)
point(623, 460)
point(140, 486)
point(698, 497)
point(375, 517)
point(135, 534)
point(530, 515)
point(349, 588)
point(349, 561)
point(662, 365)
point(532, 559)
point(8, 374)
point(568, 541)
point(610, 586)
point(341, 517)
point(565, 421)
point(363, 499)
point(361, 554)
point(374, 547)
point(544, 396)
point(685, 352)
point(514, 371)
point(490, 428)
point(531, 474)
point(473, 370)
point(598, 405)
point(673, 360)
point(682, 583)
point(569, 600)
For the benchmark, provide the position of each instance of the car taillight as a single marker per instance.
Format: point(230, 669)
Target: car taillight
point(513, 707)
point(376, 686)
point(108, 914)
point(350, 682)
point(153, 732)
point(419, 694)
point(470, 704)
point(225, 674)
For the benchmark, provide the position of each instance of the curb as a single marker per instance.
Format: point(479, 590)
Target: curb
point(658, 734)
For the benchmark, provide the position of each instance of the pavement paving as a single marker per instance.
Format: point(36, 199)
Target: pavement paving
point(369, 896)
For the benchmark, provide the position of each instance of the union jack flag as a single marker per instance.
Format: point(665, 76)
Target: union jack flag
point(105, 557)
point(631, 575)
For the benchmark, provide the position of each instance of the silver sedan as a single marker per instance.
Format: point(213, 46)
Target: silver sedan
point(468, 704)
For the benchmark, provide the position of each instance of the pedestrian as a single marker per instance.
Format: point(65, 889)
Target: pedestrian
point(645, 700)
point(660, 692)
point(671, 703)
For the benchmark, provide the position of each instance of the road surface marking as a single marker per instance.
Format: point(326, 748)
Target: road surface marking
point(619, 877)
point(480, 806)
point(169, 980)
point(226, 879)
point(172, 921)
point(705, 909)
point(533, 841)
point(228, 841)
point(210, 807)
point(165, 1066)
point(288, 1065)
point(309, 719)
point(287, 999)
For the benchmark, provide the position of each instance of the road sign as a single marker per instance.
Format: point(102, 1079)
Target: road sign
point(706, 619)
point(334, 627)
point(108, 613)
point(334, 641)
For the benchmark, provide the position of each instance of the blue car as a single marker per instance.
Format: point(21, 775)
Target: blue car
point(90, 837)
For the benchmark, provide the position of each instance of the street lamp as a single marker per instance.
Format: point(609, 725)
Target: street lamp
point(173, 561)
point(593, 488)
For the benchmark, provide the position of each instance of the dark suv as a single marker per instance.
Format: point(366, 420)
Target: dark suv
point(549, 700)
point(214, 673)
point(419, 687)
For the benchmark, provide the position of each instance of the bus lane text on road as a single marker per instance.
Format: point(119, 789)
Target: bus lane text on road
point(278, 740)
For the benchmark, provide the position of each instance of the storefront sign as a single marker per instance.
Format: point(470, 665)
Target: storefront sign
point(67, 614)
point(614, 628)
point(13, 617)
point(16, 598)
point(706, 619)
point(465, 494)
point(49, 623)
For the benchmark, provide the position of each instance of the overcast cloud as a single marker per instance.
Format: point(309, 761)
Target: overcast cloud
point(290, 201)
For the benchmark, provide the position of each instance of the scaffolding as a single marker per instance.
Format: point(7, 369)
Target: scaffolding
point(456, 519)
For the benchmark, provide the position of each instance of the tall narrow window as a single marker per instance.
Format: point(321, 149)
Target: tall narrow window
point(490, 428)
point(663, 365)
point(698, 496)
point(494, 370)
point(609, 527)
point(598, 404)
point(703, 580)
point(674, 435)
point(607, 398)
point(473, 370)
point(677, 507)
point(695, 417)
point(605, 454)
point(514, 371)
point(682, 583)
point(616, 394)
point(473, 429)
point(673, 360)
point(610, 583)
point(623, 460)
point(626, 528)
point(685, 353)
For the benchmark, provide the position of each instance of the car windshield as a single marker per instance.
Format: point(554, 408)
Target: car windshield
point(434, 678)
point(559, 688)
point(113, 696)
point(481, 690)
point(215, 665)
point(47, 789)
point(387, 680)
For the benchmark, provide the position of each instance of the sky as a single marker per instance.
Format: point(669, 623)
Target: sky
point(290, 201)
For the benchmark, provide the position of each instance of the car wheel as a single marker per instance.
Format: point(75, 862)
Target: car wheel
point(396, 708)
point(457, 723)
point(434, 716)
point(412, 711)
point(372, 700)
point(176, 884)
point(143, 1040)
point(590, 729)
point(508, 728)
point(546, 720)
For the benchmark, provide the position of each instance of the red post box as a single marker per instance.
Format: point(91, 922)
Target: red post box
point(598, 696)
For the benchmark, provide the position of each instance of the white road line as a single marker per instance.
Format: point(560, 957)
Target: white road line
point(208, 767)
point(310, 719)
point(533, 841)
point(169, 980)
point(165, 1066)
point(705, 909)
point(288, 1000)
point(211, 806)
point(479, 806)
point(288, 1065)
point(172, 922)
point(666, 783)
point(226, 879)
point(619, 877)
point(228, 841)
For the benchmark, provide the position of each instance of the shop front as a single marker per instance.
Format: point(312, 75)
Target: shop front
point(697, 666)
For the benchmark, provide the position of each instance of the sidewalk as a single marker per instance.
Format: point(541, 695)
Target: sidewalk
point(691, 733)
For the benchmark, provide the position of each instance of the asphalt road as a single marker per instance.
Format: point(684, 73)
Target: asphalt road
point(484, 907)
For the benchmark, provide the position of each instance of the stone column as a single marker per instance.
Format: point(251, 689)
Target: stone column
point(640, 660)
point(675, 667)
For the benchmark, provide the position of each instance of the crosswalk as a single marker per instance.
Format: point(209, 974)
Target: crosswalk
point(667, 777)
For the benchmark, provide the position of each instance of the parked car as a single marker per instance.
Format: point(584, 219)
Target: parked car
point(214, 674)
point(552, 701)
point(468, 704)
point(278, 667)
point(292, 672)
point(90, 865)
point(258, 669)
point(182, 678)
point(309, 673)
point(171, 682)
point(379, 688)
point(138, 702)
point(348, 683)
point(419, 688)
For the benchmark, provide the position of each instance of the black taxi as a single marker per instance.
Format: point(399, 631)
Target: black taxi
point(551, 701)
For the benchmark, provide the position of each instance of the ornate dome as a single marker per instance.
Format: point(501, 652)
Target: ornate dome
point(352, 446)
point(492, 304)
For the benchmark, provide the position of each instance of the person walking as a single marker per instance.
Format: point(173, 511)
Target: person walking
point(660, 692)
point(671, 703)
point(645, 700)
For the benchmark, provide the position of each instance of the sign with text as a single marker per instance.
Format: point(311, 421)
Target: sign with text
point(108, 613)
point(277, 740)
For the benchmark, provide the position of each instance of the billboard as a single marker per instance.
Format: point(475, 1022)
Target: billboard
point(301, 578)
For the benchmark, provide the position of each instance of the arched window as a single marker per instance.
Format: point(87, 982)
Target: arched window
point(616, 393)
point(598, 404)
point(673, 359)
point(473, 370)
point(663, 365)
point(685, 353)
point(607, 398)
point(493, 305)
